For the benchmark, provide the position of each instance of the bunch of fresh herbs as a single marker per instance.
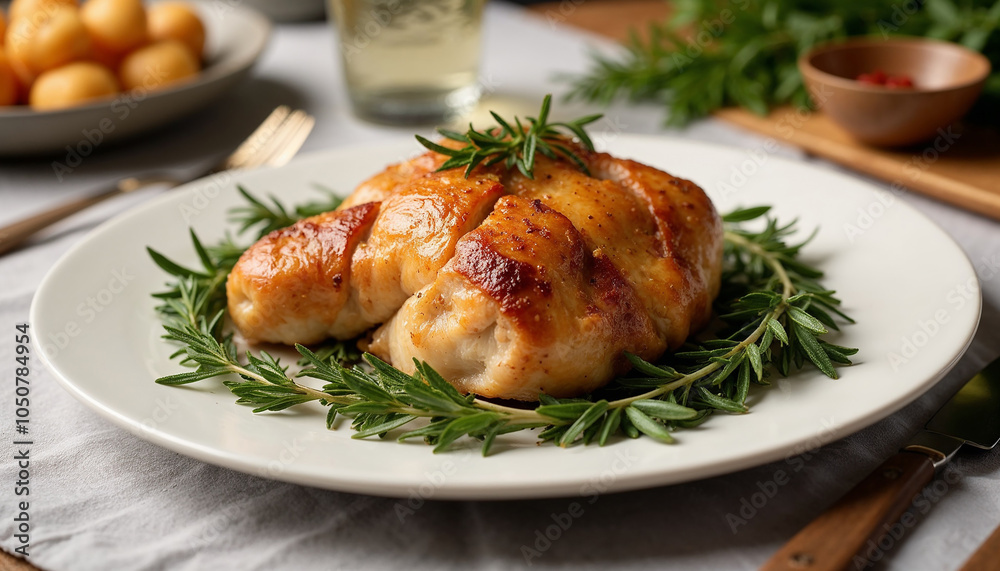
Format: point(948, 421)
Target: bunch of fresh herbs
point(715, 53)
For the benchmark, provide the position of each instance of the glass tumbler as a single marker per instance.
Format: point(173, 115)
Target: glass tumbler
point(410, 61)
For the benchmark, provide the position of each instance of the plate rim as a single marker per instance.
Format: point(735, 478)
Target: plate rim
point(566, 487)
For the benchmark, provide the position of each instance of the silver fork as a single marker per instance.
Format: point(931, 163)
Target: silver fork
point(273, 143)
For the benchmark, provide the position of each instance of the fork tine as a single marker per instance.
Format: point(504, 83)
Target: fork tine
point(253, 144)
point(293, 143)
point(280, 138)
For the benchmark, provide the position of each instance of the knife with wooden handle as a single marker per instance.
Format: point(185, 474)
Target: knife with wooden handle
point(836, 539)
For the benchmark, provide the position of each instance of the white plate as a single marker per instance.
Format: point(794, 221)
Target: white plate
point(235, 37)
point(911, 288)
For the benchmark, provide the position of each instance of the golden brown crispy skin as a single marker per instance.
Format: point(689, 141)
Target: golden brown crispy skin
point(688, 227)
point(415, 235)
point(564, 276)
point(524, 307)
point(653, 251)
point(291, 286)
point(362, 280)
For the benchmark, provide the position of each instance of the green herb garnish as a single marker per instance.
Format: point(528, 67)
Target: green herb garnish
point(714, 53)
point(776, 315)
point(514, 145)
point(269, 217)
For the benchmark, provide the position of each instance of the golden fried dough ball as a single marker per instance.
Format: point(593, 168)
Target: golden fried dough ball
point(18, 39)
point(177, 21)
point(8, 82)
point(72, 84)
point(116, 26)
point(29, 8)
point(3, 27)
point(49, 40)
point(157, 65)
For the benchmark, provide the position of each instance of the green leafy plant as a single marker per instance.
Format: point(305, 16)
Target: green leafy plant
point(514, 146)
point(269, 217)
point(774, 312)
point(716, 53)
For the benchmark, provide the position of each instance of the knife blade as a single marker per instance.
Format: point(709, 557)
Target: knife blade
point(836, 539)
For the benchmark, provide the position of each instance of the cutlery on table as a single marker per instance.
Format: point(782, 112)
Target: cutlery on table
point(273, 143)
point(837, 537)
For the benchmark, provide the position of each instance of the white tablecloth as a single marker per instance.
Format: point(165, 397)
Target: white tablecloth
point(104, 499)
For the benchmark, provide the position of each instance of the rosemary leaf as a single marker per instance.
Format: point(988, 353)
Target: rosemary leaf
point(592, 415)
point(664, 410)
point(645, 424)
point(514, 146)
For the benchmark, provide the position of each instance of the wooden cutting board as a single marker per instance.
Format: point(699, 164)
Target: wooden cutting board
point(961, 166)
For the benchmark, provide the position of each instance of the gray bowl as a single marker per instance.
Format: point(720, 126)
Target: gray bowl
point(235, 38)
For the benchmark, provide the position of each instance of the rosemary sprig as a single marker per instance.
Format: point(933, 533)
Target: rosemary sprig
point(513, 145)
point(775, 311)
point(197, 294)
point(274, 216)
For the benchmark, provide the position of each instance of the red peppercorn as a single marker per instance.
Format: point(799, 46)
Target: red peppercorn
point(899, 81)
point(876, 77)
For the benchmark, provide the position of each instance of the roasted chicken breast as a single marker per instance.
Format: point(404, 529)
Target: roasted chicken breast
point(507, 285)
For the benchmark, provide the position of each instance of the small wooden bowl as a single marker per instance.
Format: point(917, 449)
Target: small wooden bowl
point(947, 79)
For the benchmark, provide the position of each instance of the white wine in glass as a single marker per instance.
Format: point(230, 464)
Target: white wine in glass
point(410, 61)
